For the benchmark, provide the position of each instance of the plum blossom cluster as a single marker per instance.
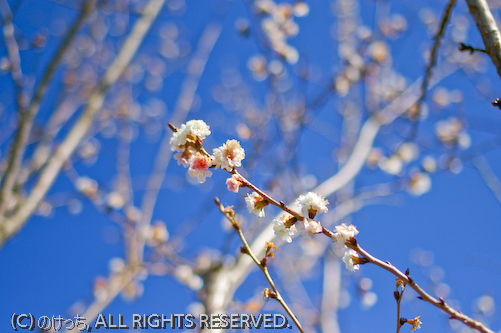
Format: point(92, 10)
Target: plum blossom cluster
point(310, 204)
point(343, 235)
point(187, 141)
point(280, 227)
point(255, 204)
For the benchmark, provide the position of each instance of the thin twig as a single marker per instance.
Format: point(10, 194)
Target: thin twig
point(468, 48)
point(398, 297)
point(439, 303)
point(428, 74)
point(263, 267)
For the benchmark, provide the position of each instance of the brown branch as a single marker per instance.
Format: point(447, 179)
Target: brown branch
point(468, 48)
point(264, 268)
point(439, 303)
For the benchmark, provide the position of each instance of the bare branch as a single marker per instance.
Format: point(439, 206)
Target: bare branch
point(429, 68)
point(439, 303)
point(79, 130)
point(488, 29)
point(183, 105)
point(27, 117)
point(230, 214)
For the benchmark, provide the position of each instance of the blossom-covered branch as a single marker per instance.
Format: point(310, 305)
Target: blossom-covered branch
point(188, 141)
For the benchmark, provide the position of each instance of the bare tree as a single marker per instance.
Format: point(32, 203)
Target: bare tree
point(372, 132)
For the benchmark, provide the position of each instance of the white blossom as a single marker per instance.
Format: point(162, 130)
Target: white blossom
point(452, 132)
point(87, 186)
point(281, 230)
point(419, 184)
point(255, 204)
point(392, 165)
point(229, 155)
point(196, 128)
point(344, 232)
point(312, 203)
point(408, 151)
point(348, 260)
point(115, 200)
point(157, 234)
point(429, 164)
point(312, 227)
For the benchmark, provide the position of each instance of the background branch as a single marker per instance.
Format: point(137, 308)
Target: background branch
point(488, 29)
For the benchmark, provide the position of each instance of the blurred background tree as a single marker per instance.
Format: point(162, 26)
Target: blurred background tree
point(384, 108)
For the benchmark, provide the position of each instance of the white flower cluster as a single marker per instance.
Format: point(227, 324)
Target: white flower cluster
point(451, 132)
point(192, 130)
point(278, 25)
point(311, 204)
point(419, 183)
point(343, 234)
point(229, 155)
point(281, 230)
point(255, 204)
point(394, 164)
point(187, 141)
point(348, 259)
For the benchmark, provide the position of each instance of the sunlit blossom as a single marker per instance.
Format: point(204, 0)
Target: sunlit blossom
point(312, 227)
point(255, 204)
point(199, 167)
point(281, 230)
point(419, 183)
point(392, 165)
point(233, 183)
point(229, 155)
point(416, 323)
point(197, 129)
point(349, 261)
point(311, 203)
point(344, 232)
